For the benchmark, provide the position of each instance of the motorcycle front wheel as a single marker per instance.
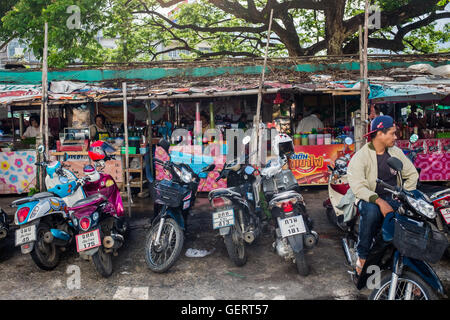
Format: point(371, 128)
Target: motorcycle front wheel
point(45, 255)
point(103, 262)
point(161, 257)
point(409, 287)
point(235, 244)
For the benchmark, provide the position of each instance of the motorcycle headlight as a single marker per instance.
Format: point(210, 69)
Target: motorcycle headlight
point(422, 207)
point(186, 176)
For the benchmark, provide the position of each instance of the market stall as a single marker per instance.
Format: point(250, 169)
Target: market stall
point(425, 112)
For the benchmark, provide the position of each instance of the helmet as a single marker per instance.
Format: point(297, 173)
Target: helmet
point(282, 144)
point(91, 172)
point(99, 150)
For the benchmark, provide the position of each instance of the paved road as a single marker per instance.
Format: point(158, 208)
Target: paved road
point(265, 276)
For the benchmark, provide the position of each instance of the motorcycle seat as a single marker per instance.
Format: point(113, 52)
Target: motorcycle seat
point(36, 197)
point(91, 200)
point(226, 192)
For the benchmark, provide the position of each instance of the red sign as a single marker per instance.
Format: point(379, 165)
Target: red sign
point(309, 163)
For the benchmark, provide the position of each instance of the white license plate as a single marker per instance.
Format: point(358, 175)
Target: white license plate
point(88, 240)
point(25, 235)
point(222, 219)
point(446, 214)
point(291, 226)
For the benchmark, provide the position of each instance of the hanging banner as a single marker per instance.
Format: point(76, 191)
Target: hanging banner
point(309, 163)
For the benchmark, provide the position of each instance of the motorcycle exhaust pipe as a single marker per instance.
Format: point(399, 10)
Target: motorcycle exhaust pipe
point(3, 233)
point(249, 236)
point(112, 241)
point(50, 238)
point(347, 251)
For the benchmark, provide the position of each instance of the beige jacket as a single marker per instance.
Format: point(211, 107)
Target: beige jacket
point(362, 172)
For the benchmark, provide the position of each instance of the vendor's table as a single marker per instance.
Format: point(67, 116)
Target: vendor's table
point(435, 164)
point(309, 163)
point(205, 185)
point(17, 171)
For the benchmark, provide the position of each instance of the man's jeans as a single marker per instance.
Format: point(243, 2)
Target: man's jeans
point(370, 222)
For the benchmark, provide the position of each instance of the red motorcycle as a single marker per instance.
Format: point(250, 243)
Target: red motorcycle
point(441, 203)
point(99, 218)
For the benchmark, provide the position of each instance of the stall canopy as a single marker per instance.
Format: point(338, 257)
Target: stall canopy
point(233, 78)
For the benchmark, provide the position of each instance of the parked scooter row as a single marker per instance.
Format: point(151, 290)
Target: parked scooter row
point(86, 211)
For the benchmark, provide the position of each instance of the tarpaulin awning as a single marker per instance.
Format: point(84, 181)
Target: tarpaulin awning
point(405, 93)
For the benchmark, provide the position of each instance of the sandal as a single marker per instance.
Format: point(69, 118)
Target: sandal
point(359, 266)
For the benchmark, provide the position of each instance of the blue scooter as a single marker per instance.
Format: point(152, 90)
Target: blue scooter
point(45, 227)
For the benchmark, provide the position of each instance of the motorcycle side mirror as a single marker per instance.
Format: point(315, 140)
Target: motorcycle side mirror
point(395, 164)
point(209, 168)
point(66, 156)
point(414, 138)
point(163, 143)
point(41, 149)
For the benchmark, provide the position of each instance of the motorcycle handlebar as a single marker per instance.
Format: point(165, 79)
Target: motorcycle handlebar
point(387, 186)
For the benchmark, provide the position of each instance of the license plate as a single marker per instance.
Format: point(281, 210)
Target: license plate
point(25, 235)
point(222, 219)
point(88, 240)
point(291, 226)
point(446, 214)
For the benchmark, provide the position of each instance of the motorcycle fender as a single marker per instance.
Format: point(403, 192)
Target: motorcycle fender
point(425, 271)
point(177, 217)
point(224, 231)
point(90, 252)
point(27, 248)
point(296, 242)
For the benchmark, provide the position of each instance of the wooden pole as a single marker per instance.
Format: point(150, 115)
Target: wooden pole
point(44, 88)
point(127, 159)
point(257, 119)
point(366, 41)
point(150, 134)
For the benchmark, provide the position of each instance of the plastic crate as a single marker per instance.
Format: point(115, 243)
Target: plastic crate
point(169, 193)
point(419, 242)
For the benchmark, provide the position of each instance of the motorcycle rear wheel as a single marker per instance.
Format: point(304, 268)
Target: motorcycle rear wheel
point(45, 255)
point(235, 244)
point(409, 282)
point(302, 264)
point(103, 262)
point(162, 257)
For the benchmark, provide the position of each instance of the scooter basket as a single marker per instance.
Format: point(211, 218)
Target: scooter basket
point(419, 242)
point(169, 193)
point(285, 180)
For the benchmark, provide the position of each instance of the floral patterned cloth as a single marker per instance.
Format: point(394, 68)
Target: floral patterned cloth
point(17, 171)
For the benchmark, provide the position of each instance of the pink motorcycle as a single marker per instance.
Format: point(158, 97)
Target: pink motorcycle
point(99, 218)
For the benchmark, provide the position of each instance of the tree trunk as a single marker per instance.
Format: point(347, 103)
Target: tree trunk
point(335, 32)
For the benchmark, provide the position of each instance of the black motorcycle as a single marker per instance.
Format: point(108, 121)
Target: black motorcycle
point(173, 201)
point(294, 233)
point(4, 225)
point(237, 215)
point(397, 266)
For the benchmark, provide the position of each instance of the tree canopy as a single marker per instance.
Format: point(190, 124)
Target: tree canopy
point(145, 30)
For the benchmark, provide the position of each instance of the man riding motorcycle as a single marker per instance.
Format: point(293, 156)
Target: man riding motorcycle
point(364, 168)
